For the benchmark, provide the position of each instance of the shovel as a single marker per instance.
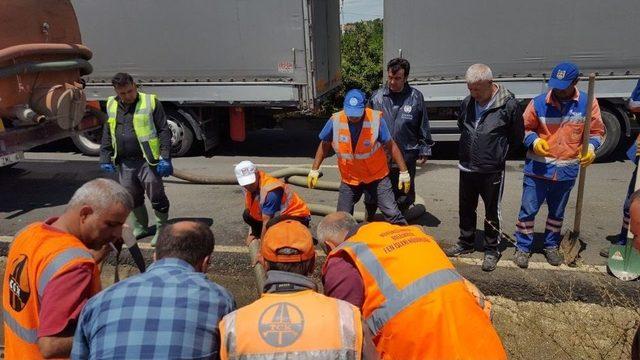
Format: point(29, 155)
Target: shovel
point(624, 260)
point(571, 243)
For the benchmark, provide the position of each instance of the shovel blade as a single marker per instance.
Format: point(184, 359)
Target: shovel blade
point(570, 247)
point(624, 262)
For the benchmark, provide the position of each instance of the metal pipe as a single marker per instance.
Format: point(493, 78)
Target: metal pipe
point(27, 116)
point(32, 67)
point(23, 50)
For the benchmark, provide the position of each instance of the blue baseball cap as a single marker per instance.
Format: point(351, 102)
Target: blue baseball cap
point(354, 103)
point(563, 75)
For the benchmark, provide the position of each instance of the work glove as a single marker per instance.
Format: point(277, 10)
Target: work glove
point(108, 167)
point(638, 146)
point(164, 168)
point(312, 178)
point(588, 158)
point(541, 147)
point(404, 181)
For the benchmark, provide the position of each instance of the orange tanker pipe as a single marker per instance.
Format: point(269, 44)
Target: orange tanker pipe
point(18, 51)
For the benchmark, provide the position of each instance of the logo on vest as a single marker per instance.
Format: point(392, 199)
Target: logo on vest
point(281, 324)
point(343, 138)
point(408, 108)
point(366, 143)
point(19, 291)
point(560, 75)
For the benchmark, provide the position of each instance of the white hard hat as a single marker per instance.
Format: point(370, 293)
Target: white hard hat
point(245, 173)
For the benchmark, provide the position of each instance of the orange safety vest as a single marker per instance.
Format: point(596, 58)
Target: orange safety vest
point(292, 204)
point(415, 302)
point(293, 325)
point(368, 162)
point(38, 253)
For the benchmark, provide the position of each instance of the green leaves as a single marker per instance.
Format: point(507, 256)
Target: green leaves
point(362, 68)
point(361, 49)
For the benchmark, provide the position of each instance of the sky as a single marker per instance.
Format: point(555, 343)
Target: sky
point(357, 10)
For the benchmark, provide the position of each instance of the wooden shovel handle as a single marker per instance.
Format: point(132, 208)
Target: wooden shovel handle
point(585, 150)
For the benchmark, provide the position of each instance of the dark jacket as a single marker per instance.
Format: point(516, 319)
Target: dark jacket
point(406, 116)
point(484, 148)
point(128, 146)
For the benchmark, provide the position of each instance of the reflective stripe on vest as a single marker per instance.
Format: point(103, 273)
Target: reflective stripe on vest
point(143, 126)
point(374, 124)
point(397, 300)
point(291, 204)
point(347, 336)
point(56, 264)
point(62, 259)
point(347, 330)
point(27, 335)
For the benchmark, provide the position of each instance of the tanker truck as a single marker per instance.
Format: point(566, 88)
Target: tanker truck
point(218, 66)
point(42, 60)
point(521, 41)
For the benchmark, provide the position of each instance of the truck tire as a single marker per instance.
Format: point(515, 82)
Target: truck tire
point(181, 133)
point(88, 142)
point(611, 136)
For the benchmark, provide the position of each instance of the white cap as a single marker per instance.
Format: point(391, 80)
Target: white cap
point(245, 173)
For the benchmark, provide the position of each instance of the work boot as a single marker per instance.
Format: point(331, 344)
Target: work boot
point(458, 249)
point(490, 261)
point(139, 218)
point(522, 259)
point(604, 252)
point(553, 256)
point(161, 219)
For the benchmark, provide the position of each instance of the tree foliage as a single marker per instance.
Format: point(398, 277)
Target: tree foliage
point(361, 53)
point(361, 49)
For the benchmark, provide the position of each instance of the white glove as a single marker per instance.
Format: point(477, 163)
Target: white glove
point(404, 181)
point(312, 178)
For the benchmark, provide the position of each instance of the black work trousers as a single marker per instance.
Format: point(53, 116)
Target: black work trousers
point(489, 187)
point(139, 178)
point(256, 226)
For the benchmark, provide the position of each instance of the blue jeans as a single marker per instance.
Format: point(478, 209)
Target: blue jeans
point(534, 192)
point(622, 237)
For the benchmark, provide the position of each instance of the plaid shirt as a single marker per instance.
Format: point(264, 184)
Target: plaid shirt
point(169, 312)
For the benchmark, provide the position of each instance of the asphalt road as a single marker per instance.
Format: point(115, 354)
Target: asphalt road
point(40, 186)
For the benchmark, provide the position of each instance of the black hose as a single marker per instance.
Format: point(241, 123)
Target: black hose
point(136, 254)
point(33, 67)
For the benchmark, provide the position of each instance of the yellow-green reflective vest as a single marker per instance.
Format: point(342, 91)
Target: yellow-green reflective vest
point(143, 126)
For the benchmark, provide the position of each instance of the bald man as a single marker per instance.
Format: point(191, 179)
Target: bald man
point(407, 290)
point(173, 301)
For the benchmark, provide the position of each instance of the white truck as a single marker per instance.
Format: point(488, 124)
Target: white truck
point(521, 41)
point(213, 63)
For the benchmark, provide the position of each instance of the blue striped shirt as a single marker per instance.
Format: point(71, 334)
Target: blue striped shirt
point(169, 312)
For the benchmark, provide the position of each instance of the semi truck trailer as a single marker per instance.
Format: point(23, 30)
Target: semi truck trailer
point(218, 66)
point(521, 41)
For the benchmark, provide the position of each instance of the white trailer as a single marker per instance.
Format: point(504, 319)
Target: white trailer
point(213, 61)
point(521, 41)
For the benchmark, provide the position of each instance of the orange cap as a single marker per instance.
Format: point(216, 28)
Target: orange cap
point(287, 234)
